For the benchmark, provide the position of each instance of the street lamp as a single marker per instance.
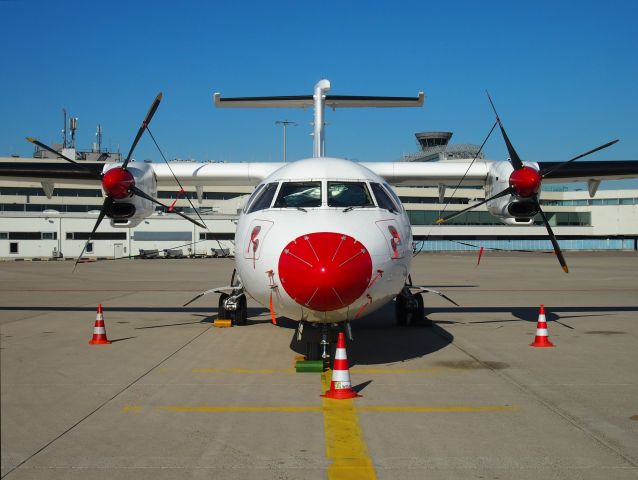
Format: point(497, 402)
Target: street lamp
point(285, 123)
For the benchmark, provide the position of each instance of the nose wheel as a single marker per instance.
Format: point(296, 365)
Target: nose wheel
point(409, 309)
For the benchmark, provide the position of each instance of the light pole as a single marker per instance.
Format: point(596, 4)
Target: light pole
point(285, 123)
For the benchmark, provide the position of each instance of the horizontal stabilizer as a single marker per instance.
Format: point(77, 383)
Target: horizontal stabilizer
point(318, 102)
point(305, 101)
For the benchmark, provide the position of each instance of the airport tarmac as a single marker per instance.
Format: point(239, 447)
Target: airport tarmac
point(173, 397)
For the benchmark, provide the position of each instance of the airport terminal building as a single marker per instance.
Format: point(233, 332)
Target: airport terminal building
point(39, 222)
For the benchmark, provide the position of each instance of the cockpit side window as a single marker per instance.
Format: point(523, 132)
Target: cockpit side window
point(264, 198)
point(349, 194)
point(253, 196)
point(299, 195)
point(393, 196)
point(383, 198)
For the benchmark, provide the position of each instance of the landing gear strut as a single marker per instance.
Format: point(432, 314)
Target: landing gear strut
point(320, 341)
point(324, 342)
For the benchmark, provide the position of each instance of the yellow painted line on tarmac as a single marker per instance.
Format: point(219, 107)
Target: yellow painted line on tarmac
point(345, 445)
point(440, 409)
point(330, 406)
point(235, 408)
point(132, 408)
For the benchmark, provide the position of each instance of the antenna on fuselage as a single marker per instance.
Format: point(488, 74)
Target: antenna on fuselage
point(318, 101)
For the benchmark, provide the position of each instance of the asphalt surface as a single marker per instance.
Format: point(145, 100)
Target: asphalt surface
point(173, 397)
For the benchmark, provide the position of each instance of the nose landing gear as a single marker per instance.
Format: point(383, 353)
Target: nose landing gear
point(320, 340)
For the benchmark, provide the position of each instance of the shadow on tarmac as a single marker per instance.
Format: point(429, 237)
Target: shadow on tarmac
point(529, 314)
point(377, 339)
point(523, 313)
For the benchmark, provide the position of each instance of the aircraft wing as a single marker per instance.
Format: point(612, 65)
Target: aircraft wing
point(395, 173)
point(252, 173)
point(432, 173)
point(194, 173)
point(189, 173)
point(50, 171)
point(590, 170)
point(475, 174)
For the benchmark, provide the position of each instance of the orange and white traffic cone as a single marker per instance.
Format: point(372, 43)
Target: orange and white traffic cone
point(541, 339)
point(340, 387)
point(99, 331)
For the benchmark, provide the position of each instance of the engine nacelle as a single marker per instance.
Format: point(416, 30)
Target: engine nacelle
point(131, 210)
point(509, 209)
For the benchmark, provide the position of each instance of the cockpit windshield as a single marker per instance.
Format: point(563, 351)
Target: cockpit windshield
point(299, 195)
point(349, 194)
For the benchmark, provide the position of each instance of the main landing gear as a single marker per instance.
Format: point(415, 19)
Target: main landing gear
point(409, 309)
point(234, 306)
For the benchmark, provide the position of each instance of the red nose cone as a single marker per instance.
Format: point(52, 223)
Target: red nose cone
point(525, 181)
point(325, 271)
point(116, 182)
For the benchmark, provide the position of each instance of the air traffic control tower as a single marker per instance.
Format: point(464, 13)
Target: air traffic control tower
point(435, 147)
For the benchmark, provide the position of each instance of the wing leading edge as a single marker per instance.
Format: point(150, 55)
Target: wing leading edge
point(591, 170)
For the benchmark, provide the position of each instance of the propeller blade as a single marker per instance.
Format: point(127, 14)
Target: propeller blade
point(107, 202)
point(552, 237)
point(46, 147)
point(145, 195)
point(147, 120)
point(514, 158)
point(561, 165)
point(507, 191)
point(170, 209)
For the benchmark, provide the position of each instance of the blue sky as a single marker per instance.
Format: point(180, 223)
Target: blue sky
point(563, 74)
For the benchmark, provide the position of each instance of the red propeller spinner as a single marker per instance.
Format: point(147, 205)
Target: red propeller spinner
point(117, 183)
point(325, 271)
point(525, 182)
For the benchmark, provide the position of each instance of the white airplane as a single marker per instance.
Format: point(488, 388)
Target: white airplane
point(323, 241)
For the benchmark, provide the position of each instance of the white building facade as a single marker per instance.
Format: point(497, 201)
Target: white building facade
point(35, 226)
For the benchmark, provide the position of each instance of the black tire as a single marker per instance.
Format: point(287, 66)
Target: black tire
point(419, 315)
point(240, 316)
point(423, 320)
point(222, 313)
point(400, 312)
